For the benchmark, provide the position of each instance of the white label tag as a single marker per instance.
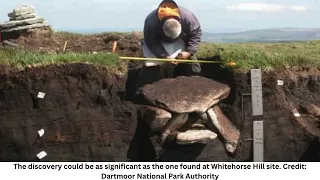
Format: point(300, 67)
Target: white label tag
point(280, 82)
point(175, 54)
point(296, 113)
point(41, 132)
point(41, 155)
point(41, 95)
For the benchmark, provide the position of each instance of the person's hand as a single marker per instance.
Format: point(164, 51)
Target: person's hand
point(184, 55)
point(173, 62)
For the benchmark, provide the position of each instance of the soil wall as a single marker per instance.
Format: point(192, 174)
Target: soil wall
point(86, 117)
point(83, 115)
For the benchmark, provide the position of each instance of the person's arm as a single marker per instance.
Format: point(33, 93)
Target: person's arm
point(151, 39)
point(194, 35)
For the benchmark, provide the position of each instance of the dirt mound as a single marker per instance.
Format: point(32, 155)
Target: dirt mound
point(45, 40)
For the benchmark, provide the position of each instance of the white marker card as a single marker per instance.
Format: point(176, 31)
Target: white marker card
point(41, 155)
point(41, 132)
point(175, 54)
point(41, 95)
point(296, 113)
point(280, 82)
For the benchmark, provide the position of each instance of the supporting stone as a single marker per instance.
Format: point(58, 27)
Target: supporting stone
point(202, 116)
point(226, 129)
point(193, 122)
point(176, 122)
point(155, 117)
point(195, 136)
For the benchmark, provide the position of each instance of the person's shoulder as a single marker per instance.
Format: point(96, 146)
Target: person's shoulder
point(184, 12)
point(151, 22)
point(151, 15)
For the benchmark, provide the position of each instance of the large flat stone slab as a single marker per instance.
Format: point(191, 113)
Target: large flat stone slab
point(31, 21)
point(38, 25)
point(23, 16)
point(185, 94)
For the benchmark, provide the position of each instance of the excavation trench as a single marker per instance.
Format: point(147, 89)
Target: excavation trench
point(89, 113)
point(287, 137)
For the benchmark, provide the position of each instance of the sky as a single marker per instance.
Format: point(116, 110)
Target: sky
point(214, 15)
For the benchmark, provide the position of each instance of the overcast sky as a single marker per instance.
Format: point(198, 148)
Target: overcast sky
point(213, 14)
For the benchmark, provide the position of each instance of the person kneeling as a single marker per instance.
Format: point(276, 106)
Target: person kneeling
point(169, 29)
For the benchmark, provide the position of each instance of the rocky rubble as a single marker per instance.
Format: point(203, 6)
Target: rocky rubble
point(23, 17)
point(190, 115)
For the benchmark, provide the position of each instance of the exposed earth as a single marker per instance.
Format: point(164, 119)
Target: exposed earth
point(87, 115)
point(46, 40)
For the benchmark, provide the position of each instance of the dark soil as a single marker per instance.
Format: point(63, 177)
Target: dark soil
point(287, 138)
point(83, 114)
point(86, 115)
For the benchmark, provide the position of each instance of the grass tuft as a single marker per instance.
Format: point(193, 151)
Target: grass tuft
point(21, 58)
point(266, 56)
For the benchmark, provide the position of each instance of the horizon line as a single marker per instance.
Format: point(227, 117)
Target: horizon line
point(211, 30)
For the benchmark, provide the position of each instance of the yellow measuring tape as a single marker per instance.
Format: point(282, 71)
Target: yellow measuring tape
point(230, 64)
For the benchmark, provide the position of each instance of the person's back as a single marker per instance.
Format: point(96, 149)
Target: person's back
point(168, 23)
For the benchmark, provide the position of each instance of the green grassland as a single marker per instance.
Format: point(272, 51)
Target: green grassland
point(267, 56)
point(248, 55)
point(21, 58)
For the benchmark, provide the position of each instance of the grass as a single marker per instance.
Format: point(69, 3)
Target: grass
point(247, 55)
point(21, 58)
point(266, 56)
